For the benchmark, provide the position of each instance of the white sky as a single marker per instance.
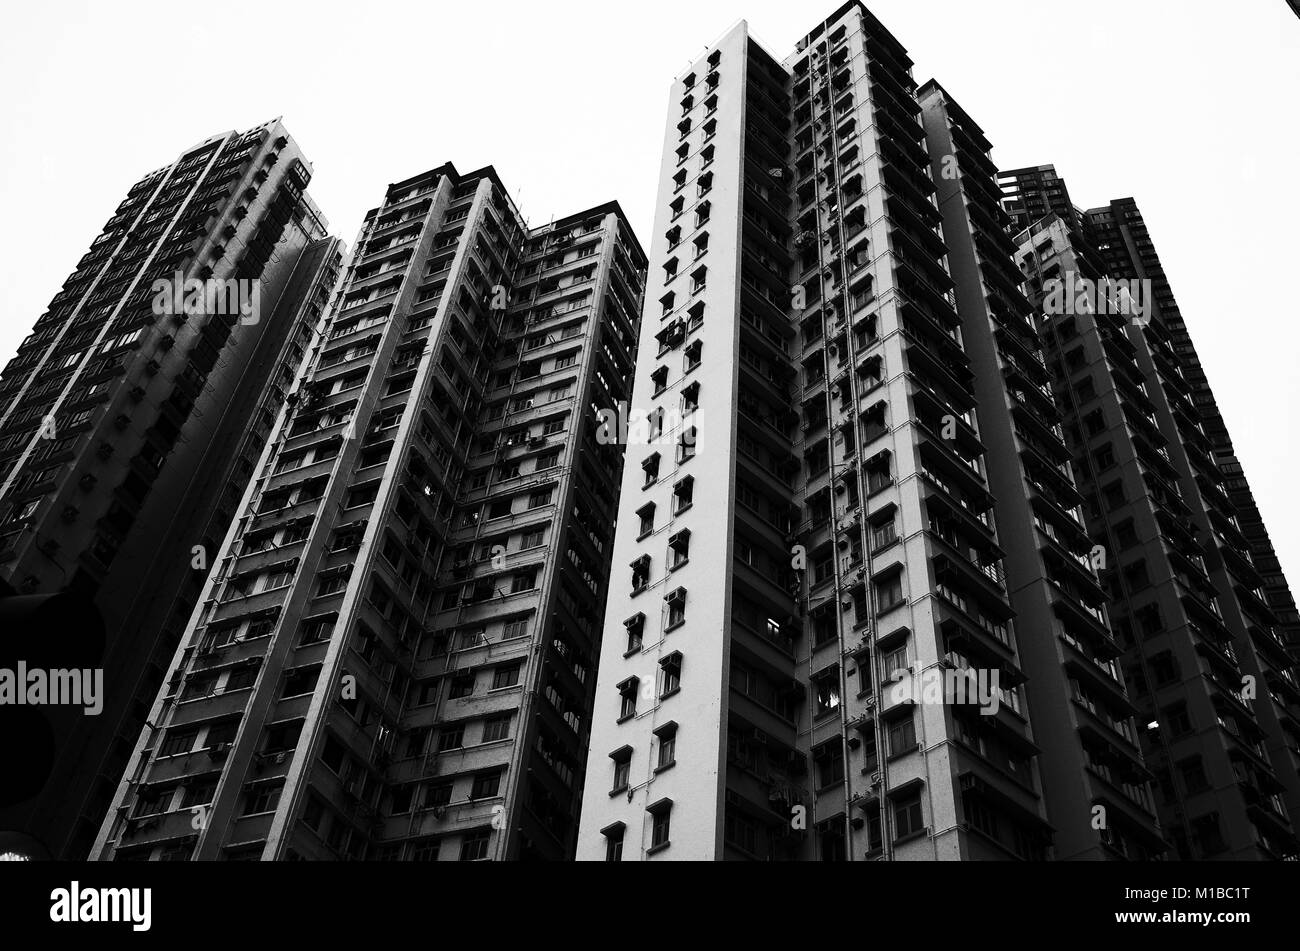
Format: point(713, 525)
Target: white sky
point(1189, 106)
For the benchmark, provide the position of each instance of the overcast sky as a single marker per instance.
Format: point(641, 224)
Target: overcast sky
point(1189, 106)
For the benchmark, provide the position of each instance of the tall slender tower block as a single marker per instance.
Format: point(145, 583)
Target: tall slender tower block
point(130, 422)
point(394, 656)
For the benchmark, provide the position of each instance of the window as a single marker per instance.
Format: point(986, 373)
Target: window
point(241, 678)
point(1208, 835)
point(1193, 773)
point(878, 476)
point(496, 728)
point(622, 768)
point(614, 842)
point(870, 753)
point(655, 419)
point(462, 685)
point(908, 818)
point(902, 735)
point(452, 737)
point(671, 677)
point(1126, 534)
point(402, 799)
point(829, 760)
point(889, 592)
point(690, 399)
point(640, 573)
point(300, 680)
point(176, 742)
point(540, 498)
point(683, 493)
point(1164, 668)
point(895, 660)
point(830, 841)
point(1177, 720)
point(883, 534)
point(262, 797)
point(660, 379)
point(1135, 575)
point(827, 687)
point(651, 467)
point(667, 756)
point(486, 785)
point(635, 626)
point(507, 676)
point(679, 546)
point(661, 813)
point(693, 353)
point(676, 608)
point(627, 690)
point(647, 516)
point(199, 792)
point(686, 445)
point(474, 846)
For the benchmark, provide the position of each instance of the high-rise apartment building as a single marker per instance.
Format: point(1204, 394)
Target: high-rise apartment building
point(1094, 784)
point(1029, 194)
point(394, 656)
point(1204, 659)
point(1117, 236)
point(806, 545)
point(1122, 239)
point(130, 420)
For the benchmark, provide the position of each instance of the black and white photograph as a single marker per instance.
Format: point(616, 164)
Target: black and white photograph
point(589, 432)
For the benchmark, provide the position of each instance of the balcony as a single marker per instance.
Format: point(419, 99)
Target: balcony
point(948, 470)
point(956, 555)
point(992, 617)
point(1070, 607)
point(924, 359)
